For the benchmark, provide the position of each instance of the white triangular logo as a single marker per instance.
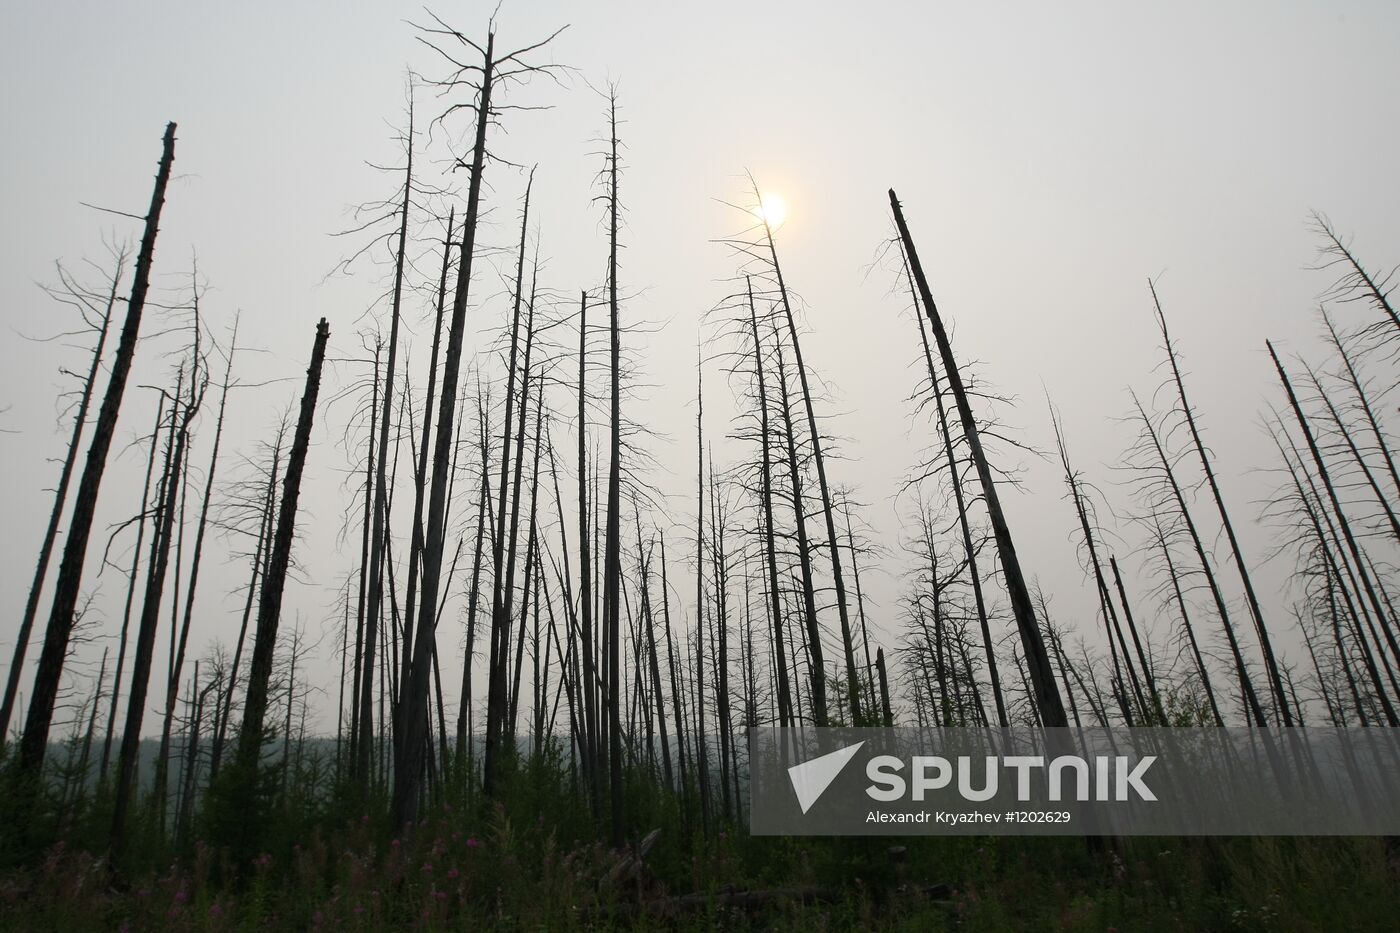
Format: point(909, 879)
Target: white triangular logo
point(811, 778)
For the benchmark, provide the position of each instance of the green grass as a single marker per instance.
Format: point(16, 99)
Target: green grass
point(529, 860)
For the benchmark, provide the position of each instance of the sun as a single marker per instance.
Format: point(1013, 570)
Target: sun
point(772, 210)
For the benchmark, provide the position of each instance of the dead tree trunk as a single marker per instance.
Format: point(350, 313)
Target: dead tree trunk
point(1042, 676)
point(1342, 522)
point(60, 496)
point(473, 597)
point(250, 735)
point(1251, 698)
point(1358, 388)
point(131, 591)
point(1356, 454)
point(1175, 579)
point(415, 702)
point(721, 663)
point(1355, 279)
point(379, 518)
point(35, 741)
point(420, 476)
point(886, 713)
point(1270, 661)
point(500, 621)
point(817, 663)
point(702, 753)
point(261, 553)
point(585, 576)
point(677, 697)
point(785, 716)
point(838, 580)
point(362, 704)
point(612, 556)
point(1335, 578)
point(172, 689)
point(1137, 643)
point(960, 501)
point(500, 717)
point(150, 612)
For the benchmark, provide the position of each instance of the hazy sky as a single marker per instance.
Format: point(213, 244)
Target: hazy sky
point(1050, 157)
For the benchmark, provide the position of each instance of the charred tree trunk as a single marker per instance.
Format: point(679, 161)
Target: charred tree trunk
point(362, 706)
point(1042, 676)
point(261, 553)
point(1266, 645)
point(415, 703)
point(150, 613)
point(960, 501)
point(585, 576)
point(1342, 522)
point(379, 517)
point(817, 662)
point(1251, 699)
point(702, 754)
point(131, 592)
point(785, 714)
point(1180, 599)
point(612, 557)
point(838, 580)
point(250, 735)
point(60, 497)
point(172, 689)
point(34, 743)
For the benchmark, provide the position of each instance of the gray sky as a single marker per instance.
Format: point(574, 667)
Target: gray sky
point(1050, 158)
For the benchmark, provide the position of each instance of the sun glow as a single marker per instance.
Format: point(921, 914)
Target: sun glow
point(772, 210)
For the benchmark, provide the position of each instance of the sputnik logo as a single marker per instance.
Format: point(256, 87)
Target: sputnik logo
point(811, 778)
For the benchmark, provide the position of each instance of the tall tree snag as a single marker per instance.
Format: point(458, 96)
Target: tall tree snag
point(70, 570)
point(1046, 692)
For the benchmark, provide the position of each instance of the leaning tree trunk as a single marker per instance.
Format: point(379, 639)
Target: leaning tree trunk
point(250, 735)
point(70, 570)
point(816, 661)
point(1324, 544)
point(838, 579)
point(1356, 454)
point(1112, 627)
point(960, 501)
point(785, 717)
point(150, 613)
point(1270, 660)
point(1180, 599)
point(130, 592)
point(1251, 698)
point(1358, 387)
point(60, 496)
point(173, 684)
point(1047, 694)
point(261, 553)
point(1343, 523)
